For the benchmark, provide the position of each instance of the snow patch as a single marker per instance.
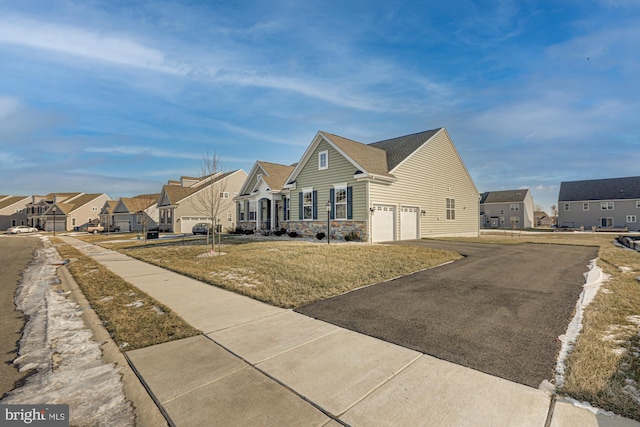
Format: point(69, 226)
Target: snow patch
point(58, 346)
point(594, 278)
point(135, 304)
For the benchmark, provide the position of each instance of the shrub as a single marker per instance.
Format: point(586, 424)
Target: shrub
point(320, 235)
point(248, 231)
point(352, 237)
point(293, 234)
point(265, 232)
point(280, 232)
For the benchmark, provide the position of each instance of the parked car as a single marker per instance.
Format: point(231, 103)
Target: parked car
point(99, 228)
point(19, 229)
point(201, 228)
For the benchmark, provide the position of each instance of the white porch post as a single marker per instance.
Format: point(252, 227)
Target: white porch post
point(273, 214)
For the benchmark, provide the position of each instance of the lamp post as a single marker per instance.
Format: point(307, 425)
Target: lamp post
point(54, 220)
point(328, 222)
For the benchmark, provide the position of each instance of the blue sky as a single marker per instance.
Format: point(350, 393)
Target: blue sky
point(120, 96)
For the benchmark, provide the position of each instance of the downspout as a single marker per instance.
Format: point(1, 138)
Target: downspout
point(368, 211)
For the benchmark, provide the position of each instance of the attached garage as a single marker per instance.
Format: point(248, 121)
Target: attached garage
point(409, 223)
point(383, 223)
point(123, 225)
point(187, 222)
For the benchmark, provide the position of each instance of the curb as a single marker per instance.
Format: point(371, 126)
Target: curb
point(144, 408)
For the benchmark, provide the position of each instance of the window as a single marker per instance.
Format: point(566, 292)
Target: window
point(451, 209)
point(515, 221)
point(606, 206)
point(514, 207)
point(631, 218)
point(340, 204)
point(240, 211)
point(501, 211)
point(585, 206)
point(606, 222)
point(229, 217)
point(253, 210)
point(323, 160)
point(73, 222)
point(567, 207)
point(307, 205)
point(139, 219)
point(501, 220)
point(224, 195)
point(638, 204)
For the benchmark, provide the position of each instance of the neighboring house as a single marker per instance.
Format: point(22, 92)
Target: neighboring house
point(68, 211)
point(137, 213)
point(13, 211)
point(600, 203)
point(541, 219)
point(106, 213)
point(261, 202)
point(506, 209)
point(403, 188)
point(180, 204)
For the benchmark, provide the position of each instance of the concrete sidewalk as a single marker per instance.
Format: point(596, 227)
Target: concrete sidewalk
point(260, 365)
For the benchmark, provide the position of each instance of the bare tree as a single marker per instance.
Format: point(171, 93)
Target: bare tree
point(554, 214)
point(538, 208)
point(211, 200)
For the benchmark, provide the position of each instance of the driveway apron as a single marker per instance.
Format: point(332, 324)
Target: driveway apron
point(499, 310)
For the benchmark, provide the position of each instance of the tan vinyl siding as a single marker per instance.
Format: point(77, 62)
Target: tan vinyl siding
point(425, 180)
point(340, 171)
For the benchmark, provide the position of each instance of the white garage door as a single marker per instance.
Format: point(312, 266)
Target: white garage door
point(187, 222)
point(124, 225)
point(408, 223)
point(383, 223)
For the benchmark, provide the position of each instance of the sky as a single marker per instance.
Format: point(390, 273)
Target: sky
point(119, 97)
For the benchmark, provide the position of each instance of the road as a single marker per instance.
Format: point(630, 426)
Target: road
point(15, 253)
point(500, 310)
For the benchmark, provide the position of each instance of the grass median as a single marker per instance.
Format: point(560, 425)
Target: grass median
point(290, 274)
point(132, 318)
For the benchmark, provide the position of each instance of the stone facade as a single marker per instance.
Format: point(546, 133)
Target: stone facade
point(339, 229)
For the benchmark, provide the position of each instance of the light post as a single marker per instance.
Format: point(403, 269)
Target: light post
point(328, 222)
point(54, 220)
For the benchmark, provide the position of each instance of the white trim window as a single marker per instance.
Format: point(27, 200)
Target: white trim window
point(606, 222)
point(606, 206)
point(637, 204)
point(229, 217)
point(515, 221)
point(224, 195)
point(451, 209)
point(323, 160)
point(307, 204)
point(631, 218)
point(567, 207)
point(514, 207)
point(585, 206)
point(341, 202)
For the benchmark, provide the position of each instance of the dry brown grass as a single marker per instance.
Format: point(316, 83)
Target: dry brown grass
point(133, 318)
point(290, 274)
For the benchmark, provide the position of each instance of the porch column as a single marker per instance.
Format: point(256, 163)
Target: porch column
point(273, 214)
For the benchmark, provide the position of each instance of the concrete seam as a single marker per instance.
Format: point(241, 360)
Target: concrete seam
point(552, 405)
point(272, 378)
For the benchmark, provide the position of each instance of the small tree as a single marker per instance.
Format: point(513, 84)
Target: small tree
point(210, 200)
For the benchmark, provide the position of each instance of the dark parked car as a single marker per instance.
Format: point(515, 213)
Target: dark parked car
point(201, 228)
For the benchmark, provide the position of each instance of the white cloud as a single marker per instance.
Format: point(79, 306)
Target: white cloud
point(84, 43)
point(147, 151)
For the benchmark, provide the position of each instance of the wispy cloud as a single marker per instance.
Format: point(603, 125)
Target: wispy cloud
point(146, 151)
point(84, 43)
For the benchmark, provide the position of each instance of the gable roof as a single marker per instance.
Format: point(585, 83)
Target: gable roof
point(371, 159)
point(177, 193)
point(275, 175)
point(600, 189)
point(504, 196)
point(6, 201)
point(137, 203)
point(400, 148)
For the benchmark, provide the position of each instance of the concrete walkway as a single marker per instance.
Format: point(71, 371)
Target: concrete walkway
point(260, 365)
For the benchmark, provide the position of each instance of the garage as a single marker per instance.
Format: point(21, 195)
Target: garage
point(187, 222)
point(383, 223)
point(408, 223)
point(123, 225)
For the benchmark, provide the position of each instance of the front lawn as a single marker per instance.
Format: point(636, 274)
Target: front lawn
point(290, 274)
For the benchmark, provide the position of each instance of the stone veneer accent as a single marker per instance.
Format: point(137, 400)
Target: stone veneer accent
point(339, 229)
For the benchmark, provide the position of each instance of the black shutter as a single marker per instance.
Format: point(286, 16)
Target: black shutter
point(300, 208)
point(332, 199)
point(349, 203)
point(315, 204)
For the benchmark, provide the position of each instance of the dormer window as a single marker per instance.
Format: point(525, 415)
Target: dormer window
point(323, 160)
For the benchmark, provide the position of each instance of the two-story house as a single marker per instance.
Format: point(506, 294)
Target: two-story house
point(507, 209)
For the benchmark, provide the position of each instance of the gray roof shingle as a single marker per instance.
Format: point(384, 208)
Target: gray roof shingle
point(402, 147)
point(504, 196)
point(600, 189)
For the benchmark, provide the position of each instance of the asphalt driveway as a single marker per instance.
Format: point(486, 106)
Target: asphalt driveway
point(499, 310)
